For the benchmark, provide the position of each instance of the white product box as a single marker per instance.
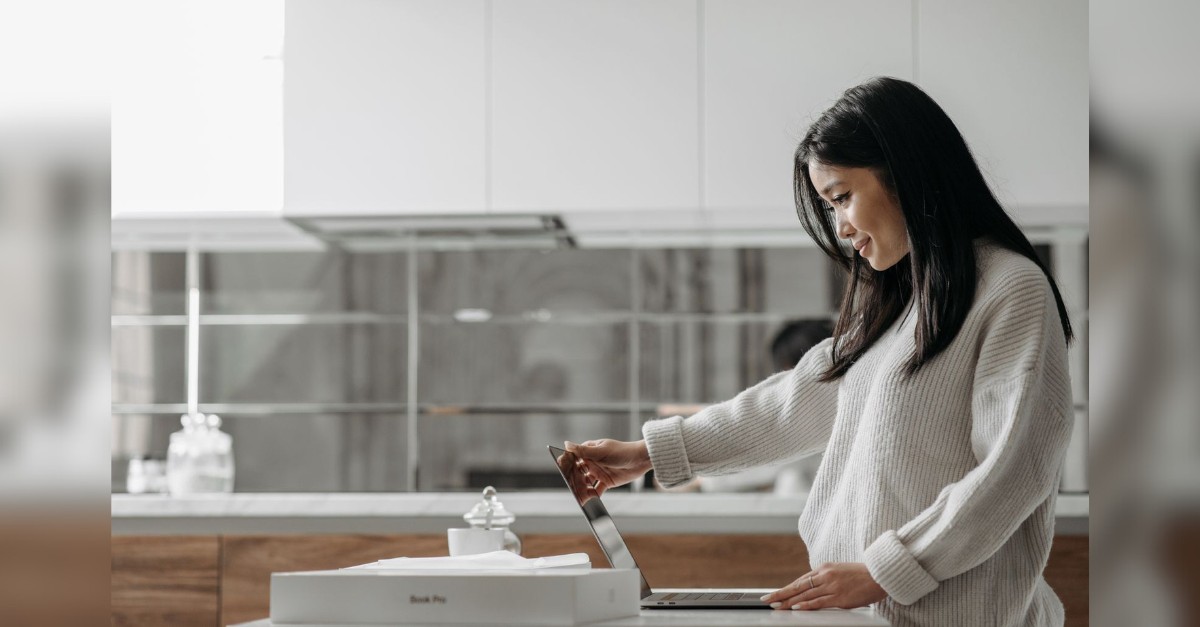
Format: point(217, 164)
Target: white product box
point(397, 597)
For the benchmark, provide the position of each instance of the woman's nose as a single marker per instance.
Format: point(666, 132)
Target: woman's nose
point(844, 229)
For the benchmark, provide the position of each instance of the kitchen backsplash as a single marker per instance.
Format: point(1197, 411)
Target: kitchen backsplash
point(306, 356)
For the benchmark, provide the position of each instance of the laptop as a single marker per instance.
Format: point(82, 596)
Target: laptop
point(618, 554)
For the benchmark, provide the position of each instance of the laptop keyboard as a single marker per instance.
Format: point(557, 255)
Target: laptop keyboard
point(701, 596)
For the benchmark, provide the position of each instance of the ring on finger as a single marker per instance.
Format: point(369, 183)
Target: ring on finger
point(811, 585)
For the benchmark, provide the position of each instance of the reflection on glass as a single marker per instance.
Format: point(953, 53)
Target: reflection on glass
point(517, 282)
point(148, 365)
point(532, 363)
point(303, 364)
point(148, 284)
point(516, 348)
point(304, 282)
point(783, 281)
point(703, 361)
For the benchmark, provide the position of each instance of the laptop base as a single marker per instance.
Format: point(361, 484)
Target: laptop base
point(705, 598)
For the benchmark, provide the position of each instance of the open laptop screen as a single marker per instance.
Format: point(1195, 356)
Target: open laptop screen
point(597, 516)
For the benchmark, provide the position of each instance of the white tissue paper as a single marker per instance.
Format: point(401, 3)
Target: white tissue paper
point(496, 560)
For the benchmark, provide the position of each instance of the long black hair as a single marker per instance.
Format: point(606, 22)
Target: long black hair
point(897, 130)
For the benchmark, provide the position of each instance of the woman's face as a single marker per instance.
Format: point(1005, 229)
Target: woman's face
point(866, 213)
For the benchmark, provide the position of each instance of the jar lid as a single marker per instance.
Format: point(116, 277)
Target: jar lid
point(489, 504)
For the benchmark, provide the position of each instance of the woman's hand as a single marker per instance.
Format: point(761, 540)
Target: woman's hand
point(610, 463)
point(842, 584)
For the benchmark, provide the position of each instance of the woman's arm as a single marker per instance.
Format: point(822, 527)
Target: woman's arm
point(789, 414)
point(1020, 425)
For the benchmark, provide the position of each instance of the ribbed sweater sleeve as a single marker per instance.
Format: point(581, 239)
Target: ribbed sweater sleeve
point(1018, 432)
point(786, 415)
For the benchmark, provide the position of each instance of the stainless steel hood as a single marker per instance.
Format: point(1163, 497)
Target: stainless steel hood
point(379, 233)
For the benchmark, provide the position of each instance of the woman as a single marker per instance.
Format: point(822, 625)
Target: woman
point(942, 402)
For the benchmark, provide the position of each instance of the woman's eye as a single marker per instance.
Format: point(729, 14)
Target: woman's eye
point(838, 200)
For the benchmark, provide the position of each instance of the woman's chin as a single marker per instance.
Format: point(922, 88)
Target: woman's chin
point(879, 265)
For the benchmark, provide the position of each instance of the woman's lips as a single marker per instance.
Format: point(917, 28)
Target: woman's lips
point(863, 248)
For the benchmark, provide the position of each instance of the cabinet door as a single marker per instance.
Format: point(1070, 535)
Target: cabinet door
point(196, 117)
point(770, 68)
point(384, 109)
point(1014, 77)
point(166, 580)
point(594, 105)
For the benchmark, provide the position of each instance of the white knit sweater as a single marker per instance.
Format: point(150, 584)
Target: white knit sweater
point(943, 483)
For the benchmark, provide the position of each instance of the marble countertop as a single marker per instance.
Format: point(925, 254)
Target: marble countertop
point(537, 512)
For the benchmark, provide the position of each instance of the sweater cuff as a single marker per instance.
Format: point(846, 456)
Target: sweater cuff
point(897, 571)
point(664, 441)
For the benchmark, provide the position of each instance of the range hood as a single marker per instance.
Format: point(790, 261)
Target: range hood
point(577, 229)
point(381, 233)
point(384, 233)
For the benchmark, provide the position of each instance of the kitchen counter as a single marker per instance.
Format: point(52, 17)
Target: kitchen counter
point(537, 512)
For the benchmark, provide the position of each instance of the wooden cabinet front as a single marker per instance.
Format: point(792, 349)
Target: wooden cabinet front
point(223, 580)
point(165, 580)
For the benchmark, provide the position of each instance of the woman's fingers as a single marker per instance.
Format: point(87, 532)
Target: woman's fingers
point(609, 462)
point(806, 596)
point(598, 477)
point(843, 585)
point(805, 593)
point(816, 603)
point(792, 590)
point(596, 471)
point(582, 484)
point(593, 479)
point(582, 449)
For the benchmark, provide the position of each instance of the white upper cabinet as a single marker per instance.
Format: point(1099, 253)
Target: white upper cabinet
point(385, 109)
point(688, 107)
point(770, 68)
point(196, 116)
point(594, 105)
point(1013, 76)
